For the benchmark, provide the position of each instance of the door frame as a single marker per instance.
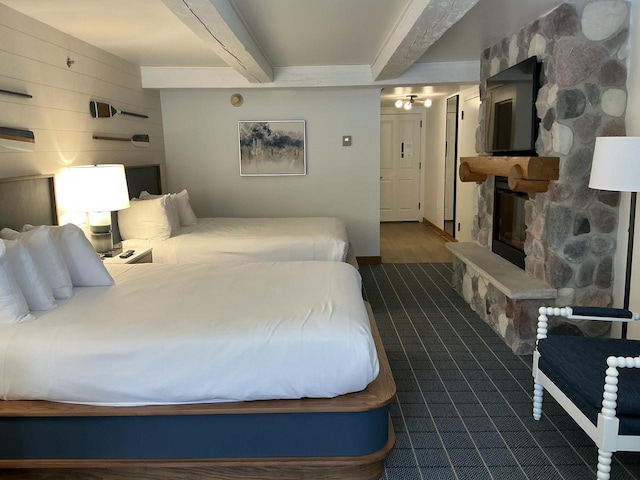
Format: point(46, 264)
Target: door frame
point(454, 170)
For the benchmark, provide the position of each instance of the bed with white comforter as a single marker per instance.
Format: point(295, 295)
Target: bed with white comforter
point(219, 240)
point(171, 334)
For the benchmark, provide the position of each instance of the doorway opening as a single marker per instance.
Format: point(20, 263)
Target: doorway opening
point(450, 166)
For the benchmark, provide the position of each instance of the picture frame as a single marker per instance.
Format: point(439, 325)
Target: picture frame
point(272, 148)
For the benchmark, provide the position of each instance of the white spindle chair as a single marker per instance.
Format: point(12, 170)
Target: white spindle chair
point(571, 390)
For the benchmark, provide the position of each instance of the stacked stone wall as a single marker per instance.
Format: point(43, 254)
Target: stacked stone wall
point(571, 229)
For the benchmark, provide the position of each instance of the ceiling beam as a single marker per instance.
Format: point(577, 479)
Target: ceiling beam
point(422, 23)
point(309, 77)
point(220, 28)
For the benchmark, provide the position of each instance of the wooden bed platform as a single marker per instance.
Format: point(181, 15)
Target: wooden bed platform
point(347, 437)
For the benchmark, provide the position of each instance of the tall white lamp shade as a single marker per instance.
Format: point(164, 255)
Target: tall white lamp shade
point(97, 190)
point(616, 166)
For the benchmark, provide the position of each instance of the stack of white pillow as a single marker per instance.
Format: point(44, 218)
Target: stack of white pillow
point(156, 217)
point(42, 264)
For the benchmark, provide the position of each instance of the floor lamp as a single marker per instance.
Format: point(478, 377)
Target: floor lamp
point(616, 166)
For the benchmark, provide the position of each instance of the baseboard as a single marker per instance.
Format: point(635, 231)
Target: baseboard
point(446, 237)
point(374, 260)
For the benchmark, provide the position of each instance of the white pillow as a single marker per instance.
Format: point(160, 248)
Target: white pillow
point(32, 282)
point(85, 267)
point(13, 306)
point(185, 212)
point(47, 257)
point(172, 208)
point(145, 219)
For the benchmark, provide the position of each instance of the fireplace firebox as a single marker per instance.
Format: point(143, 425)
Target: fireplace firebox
point(509, 227)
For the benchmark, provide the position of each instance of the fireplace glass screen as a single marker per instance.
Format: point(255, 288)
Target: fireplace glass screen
point(509, 227)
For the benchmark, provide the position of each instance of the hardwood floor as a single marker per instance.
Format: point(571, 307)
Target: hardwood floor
point(412, 242)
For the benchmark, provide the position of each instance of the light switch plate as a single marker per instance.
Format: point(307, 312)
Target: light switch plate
point(346, 141)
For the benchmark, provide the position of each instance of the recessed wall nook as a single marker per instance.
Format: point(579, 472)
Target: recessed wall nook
point(570, 229)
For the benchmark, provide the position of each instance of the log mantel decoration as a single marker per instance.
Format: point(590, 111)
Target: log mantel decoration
point(525, 174)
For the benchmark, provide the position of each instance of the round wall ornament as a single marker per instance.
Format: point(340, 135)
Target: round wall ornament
point(236, 100)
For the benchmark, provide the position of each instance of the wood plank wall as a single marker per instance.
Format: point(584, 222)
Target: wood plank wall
point(33, 60)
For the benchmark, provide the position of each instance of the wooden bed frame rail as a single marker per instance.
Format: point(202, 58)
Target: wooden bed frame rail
point(368, 409)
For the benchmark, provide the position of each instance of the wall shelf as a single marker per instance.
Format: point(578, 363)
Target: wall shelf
point(525, 174)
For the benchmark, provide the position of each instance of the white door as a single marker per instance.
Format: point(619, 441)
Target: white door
point(400, 167)
point(465, 191)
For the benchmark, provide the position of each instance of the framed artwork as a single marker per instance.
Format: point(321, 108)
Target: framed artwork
point(272, 148)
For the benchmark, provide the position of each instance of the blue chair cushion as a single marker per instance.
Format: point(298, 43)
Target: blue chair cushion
point(577, 365)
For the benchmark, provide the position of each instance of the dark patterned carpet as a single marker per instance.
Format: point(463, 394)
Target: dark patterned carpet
point(463, 408)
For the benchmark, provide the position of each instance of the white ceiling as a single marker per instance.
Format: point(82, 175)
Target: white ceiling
point(288, 33)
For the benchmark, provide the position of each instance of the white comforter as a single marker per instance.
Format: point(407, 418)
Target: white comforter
point(217, 240)
point(167, 334)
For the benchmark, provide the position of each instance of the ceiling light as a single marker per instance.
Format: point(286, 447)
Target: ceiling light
point(428, 102)
point(406, 104)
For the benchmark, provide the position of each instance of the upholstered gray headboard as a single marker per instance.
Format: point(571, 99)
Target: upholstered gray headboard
point(139, 178)
point(27, 200)
point(145, 177)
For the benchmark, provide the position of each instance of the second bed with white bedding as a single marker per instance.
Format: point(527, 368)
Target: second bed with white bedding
point(167, 334)
point(218, 240)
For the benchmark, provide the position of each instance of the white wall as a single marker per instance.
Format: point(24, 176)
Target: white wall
point(465, 191)
point(633, 130)
point(433, 198)
point(201, 142)
point(34, 61)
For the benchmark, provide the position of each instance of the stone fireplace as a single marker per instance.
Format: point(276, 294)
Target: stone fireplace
point(570, 237)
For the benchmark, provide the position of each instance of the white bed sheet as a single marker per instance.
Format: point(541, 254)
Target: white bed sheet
point(169, 334)
point(218, 240)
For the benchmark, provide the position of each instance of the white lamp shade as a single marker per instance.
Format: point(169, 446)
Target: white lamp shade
point(95, 188)
point(616, 164)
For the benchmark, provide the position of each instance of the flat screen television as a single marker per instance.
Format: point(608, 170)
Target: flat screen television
point(512, 124)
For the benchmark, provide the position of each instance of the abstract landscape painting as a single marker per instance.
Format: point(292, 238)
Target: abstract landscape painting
point(275, 147)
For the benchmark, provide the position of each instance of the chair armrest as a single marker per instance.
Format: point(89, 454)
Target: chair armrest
point(610, 395)
point(583, 313)
point(602, 313)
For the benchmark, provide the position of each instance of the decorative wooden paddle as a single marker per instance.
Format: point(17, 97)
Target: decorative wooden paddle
point(17, 139)
point(139, 140)
point(18, 94)
point(105, 110)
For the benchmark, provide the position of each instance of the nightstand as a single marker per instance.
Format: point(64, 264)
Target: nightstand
point(142, 254)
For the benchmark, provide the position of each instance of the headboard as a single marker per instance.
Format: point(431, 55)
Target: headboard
point(32, 199)
point(139, 178)
point(145, 177)
point(27, 200)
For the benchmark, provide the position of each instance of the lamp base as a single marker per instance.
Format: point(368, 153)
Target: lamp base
point(101, 238)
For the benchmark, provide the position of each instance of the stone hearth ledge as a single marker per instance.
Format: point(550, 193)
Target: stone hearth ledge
point(504, 296)
point(514, 282)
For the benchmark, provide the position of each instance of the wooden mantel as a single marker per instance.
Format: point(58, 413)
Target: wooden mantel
point(525, 174)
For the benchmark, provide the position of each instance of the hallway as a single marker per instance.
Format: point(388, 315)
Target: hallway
point(412, 242)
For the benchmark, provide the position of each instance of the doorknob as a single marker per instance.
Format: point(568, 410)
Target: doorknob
point(402, 150)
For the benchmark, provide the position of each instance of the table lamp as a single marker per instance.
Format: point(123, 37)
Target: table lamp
point(97, 190)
